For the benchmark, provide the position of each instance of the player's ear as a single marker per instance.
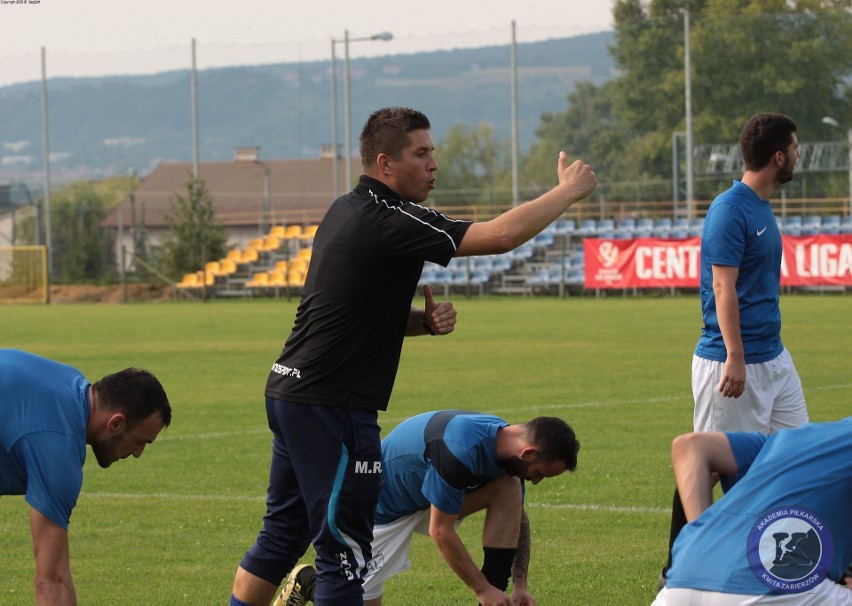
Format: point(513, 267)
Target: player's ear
point(528, 453)
point(116, 423)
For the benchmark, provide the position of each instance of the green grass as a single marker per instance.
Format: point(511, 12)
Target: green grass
point(171, 527)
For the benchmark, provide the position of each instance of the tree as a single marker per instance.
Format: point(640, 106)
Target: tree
point(580, 132)
point(194, 237)
point(747, 56)
point(82, 250)
point(471, 159)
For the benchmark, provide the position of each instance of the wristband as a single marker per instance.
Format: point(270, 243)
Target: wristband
point(426, 326)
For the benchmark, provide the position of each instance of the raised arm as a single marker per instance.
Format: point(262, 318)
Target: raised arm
point(516, 226)
point(695, 457)
point(443, 532)
point(53, 584)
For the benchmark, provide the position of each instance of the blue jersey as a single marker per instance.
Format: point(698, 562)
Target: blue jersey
point(784, 525)
point(44, 409)
point(435, 458)
point(740, 231)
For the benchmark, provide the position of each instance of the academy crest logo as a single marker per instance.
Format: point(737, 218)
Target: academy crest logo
point(790, 549)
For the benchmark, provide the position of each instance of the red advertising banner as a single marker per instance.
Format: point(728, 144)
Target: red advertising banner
point(822, 260)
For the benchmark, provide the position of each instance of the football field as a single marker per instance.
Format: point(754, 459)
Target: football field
point(171, 527)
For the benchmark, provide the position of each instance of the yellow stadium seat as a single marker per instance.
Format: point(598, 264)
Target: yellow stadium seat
point(298, 264)
point(309, 232)
point(258, 280)
point(249, 255)
point(278, 231)
point(281, 265)
point(305, 253)
point(270, 243)
point(255, 243)
point(189, 281)
point(211, 267)
point(226, 267)
point(277, 278)
point(293, 231)
point(296, 278)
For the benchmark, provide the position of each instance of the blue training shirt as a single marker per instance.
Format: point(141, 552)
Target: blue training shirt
point(435, 458)
point(784, 525)
point(740, 231)
point(44, 409)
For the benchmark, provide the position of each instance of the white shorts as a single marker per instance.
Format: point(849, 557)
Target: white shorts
point(390, 550)
point(827, 592)
point(772, 400)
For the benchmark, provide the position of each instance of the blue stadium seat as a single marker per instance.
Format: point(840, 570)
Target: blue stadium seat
point(606, 225)
point(644, 227)
point(792, 222)
point(565, 227)
point(696, 226)
point(543, 240)
point(830, 224)
point(661, 228)
point(588, 227)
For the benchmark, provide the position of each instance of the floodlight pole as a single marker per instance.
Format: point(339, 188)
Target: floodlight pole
point(347, 105)
point(335, 168)
point(690, 172)
point(516, 196)
point(46, 159)
point(832, 122)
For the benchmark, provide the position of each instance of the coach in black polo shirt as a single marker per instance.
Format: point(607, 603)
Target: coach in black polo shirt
point(339, 363)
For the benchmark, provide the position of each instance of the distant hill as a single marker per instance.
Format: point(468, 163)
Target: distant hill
point(111, 125)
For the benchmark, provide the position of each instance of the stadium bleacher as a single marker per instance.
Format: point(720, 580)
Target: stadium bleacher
point(553, 260)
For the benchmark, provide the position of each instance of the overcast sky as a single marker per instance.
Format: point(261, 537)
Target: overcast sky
point(104, 37)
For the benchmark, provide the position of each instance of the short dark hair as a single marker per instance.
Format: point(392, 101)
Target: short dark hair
point(762, 136)
point(554, 440)
point(135, 393)
point(386, 132)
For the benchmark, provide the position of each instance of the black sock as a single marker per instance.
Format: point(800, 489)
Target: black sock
point(497, 565)
point(307, 578)
point(678, 522)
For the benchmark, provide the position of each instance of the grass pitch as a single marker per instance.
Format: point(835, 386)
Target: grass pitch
point(171, 527)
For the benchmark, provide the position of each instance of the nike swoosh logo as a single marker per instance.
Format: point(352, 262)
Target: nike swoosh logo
point(760, 232)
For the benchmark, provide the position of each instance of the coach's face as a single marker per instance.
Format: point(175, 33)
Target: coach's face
point(412, 175)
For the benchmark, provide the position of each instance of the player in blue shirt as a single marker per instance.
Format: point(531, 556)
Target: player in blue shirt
point(440, 467)
point(742, 376)
point(781, 533)
point(49, 413)
point(743, 379)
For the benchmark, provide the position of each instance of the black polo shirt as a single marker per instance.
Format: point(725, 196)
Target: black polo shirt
point(368, 254)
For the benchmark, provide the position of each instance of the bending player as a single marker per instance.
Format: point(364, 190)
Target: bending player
point(472, 462)
point(780, 535)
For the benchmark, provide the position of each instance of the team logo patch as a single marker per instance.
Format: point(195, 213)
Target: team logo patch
point(790, 549)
